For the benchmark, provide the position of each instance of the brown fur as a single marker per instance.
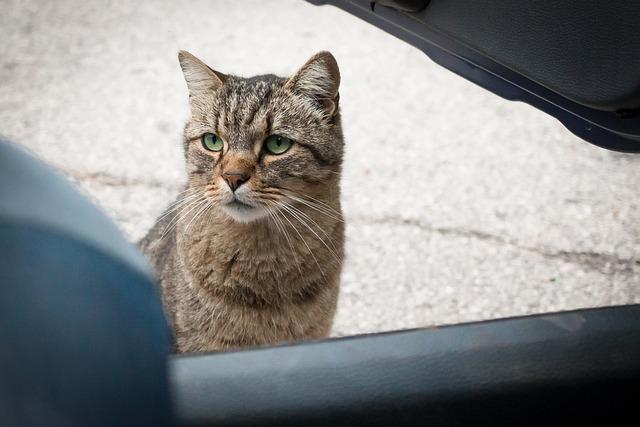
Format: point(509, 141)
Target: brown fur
point(269, 274)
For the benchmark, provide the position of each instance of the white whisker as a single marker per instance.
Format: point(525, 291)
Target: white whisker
point(175, 206)
point(330, 213)
point(297, 215)
point(201, 210)
point(303, 241)
point(174, 222)
point(286, 235)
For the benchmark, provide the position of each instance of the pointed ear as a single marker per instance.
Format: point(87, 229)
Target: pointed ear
point(318, 78)
point(201, 79)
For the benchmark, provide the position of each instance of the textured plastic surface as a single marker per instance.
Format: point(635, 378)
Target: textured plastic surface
point(82, 333)
point(556, 369)
point(31, 193)
point(507, 48)
point(407, 5)
point(585, 50)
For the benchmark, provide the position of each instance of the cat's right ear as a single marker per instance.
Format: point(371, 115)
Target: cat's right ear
point(201, 79)
point(319, 78)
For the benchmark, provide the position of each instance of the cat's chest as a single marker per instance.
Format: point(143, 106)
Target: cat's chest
point(218, 261)
point(250, 279)
point(247, 266)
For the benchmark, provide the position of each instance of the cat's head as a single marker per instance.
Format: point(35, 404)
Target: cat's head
point(253, 145)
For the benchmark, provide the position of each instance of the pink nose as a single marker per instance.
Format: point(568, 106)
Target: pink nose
point(235, 179)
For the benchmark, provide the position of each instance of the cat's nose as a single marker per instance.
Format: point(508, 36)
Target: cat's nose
point(235, 179)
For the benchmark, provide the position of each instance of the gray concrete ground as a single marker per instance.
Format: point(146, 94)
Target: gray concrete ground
point(460, 205)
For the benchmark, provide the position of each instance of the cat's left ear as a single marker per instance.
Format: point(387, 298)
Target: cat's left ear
point(201, 79)
point(318, 78)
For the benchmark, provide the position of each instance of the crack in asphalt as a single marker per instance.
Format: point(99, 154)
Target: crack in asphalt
point(604, 263)
point(115, 181)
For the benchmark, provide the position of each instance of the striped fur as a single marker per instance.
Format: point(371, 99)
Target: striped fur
point(236, 277)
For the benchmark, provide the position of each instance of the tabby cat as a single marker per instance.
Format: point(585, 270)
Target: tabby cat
point(250, 253)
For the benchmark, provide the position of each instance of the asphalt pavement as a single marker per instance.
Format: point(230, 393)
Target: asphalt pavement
point(460, 205)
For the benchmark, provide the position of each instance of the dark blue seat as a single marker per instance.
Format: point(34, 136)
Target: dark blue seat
point(83, 340)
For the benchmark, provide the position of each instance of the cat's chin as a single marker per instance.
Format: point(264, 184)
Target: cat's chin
point(243, 213)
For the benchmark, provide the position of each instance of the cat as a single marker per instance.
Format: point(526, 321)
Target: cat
point(251, 251)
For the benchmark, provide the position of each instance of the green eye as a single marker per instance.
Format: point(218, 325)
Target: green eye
point(276, 144)
point(212, 142)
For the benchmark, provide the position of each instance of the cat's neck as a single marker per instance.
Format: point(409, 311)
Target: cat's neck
point(272, 249)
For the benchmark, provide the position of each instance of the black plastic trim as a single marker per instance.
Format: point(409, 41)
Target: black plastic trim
point(619, 131)
point(581, 366)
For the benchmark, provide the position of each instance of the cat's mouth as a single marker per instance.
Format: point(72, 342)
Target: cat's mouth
point(243, 212)
point(237, 204)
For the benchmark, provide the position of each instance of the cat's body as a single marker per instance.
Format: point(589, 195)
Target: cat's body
point(252, 252)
